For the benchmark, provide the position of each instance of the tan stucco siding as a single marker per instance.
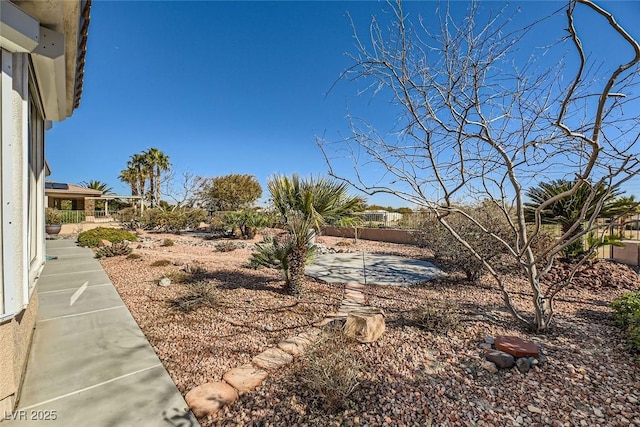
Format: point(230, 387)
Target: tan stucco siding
point(15, 336)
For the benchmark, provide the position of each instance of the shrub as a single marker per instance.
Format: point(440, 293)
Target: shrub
point(225, 246)
point(161, 263)
point(91, 238)
point(198, 294)
point(274, 253)
point(52, 216)
point(627, 307)
point(171, 221)
point(435, 237)
point(167, 242)
point(134, 256)
point(343, 243)
point(331, 370)
point(627, 316)
point(116, 249)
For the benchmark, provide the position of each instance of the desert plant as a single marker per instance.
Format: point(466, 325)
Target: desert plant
point(92, 238)
point(161, 263)
point(434, 236)
point(627, 316)
point(304, 205)
point(225, 246)
point(134, 256)
point(116, 249)
point(167, 242)
point(626, 307)
point(435, 316)
point(230, 192)
point(331, 369)
point(198, 294)
point(52, 216)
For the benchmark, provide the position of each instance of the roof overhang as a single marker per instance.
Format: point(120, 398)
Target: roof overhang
point(54, 33)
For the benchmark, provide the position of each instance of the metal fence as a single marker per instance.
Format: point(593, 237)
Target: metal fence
point(78, 217)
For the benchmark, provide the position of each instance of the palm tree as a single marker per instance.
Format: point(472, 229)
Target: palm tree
point(130, 176)
point(157, 162)
point(97, 185)
point(140, 171)
point(305, 205)
point(585, 203)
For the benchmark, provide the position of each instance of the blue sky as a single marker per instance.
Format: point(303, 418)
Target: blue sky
point(225, 87)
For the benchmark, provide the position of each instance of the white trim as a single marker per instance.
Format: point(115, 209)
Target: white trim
point(10, 305)
point(19, 32)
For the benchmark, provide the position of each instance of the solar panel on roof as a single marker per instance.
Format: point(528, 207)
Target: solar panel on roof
point(56, 186)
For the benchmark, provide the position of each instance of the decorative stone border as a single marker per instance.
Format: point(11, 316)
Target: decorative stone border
point(209, 398)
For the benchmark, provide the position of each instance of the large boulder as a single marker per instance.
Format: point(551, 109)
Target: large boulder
point(365, 326)
point(209, 398)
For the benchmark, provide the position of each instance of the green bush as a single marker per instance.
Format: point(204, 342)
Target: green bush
point(91, 238)
point(627, 316)
point(117, 249)
point(52, 216)
point(626, 308)
point(171, 221)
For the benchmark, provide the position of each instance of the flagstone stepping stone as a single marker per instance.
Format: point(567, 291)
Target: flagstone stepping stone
point(209, 398)
point(272, 358)
point(296, 345)
point(245, 378)
point(516, 346)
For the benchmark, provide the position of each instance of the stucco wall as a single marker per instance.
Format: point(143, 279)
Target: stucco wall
point(376, 234)
point(627, 254)
point(15, 336)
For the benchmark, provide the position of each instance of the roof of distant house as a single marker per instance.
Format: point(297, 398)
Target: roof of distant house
point(60, 187)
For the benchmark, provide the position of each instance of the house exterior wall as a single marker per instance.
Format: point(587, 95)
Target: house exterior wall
point(35, 86)
point(22, 247)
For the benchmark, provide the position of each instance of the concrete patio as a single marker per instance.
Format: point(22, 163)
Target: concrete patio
point(372, 269)
point(90, 364)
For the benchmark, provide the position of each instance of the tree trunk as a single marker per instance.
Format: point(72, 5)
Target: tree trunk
point(297, 261)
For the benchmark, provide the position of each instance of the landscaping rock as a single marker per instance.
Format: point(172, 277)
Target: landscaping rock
point(489, 366)
point(501, 359)
point(485, 346)
point(209, 398)
point(489, 340)
point(523, 365)
point(295, 346)
point(245, 378)
point(165, 281)
point(272, 358)
point(516, 346)
point(365, 327)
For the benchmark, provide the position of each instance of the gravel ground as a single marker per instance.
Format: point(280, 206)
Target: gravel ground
point(411, 376)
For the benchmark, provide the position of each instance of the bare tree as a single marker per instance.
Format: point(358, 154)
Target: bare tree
point(476, 117)
point(183, 190)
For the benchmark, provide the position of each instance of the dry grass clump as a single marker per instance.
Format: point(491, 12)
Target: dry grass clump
point(168, 242)
point(199, 294)
point(331, 370)
point(435, 316)
point(134, 256)
point(161, 263)
point(226, 246)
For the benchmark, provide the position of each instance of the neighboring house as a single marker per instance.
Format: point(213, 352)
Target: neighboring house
point(43, 45)
point(79, 197)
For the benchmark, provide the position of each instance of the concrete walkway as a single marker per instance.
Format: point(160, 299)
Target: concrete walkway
point(90, 364)
point(372, 269)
